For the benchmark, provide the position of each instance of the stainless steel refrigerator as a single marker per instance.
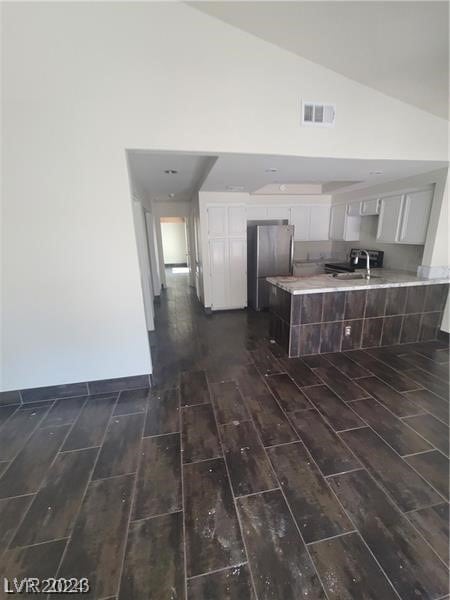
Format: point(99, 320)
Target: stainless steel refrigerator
point(270, 252)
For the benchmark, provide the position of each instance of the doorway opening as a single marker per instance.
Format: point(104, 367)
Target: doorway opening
point(174, 237)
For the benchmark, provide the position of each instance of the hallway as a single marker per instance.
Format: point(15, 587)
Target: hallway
point(240, 475)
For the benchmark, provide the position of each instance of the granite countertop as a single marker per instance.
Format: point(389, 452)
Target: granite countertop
point(325, 282)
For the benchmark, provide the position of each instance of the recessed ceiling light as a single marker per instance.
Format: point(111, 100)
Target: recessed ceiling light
point(375, 172)
point(272, 170)
point(171, 195)
point(170, 172)
point(283, 187)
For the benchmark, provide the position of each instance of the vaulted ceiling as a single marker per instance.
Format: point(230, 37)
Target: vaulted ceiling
point(398, 48)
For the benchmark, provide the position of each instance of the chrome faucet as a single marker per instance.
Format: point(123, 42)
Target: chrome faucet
point(367, 264)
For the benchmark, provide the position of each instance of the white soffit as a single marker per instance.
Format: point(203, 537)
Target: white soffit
point(400, 48)
point(148, 173)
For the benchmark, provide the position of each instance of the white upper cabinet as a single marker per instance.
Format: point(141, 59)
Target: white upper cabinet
point(337, 221)
point(370, 207)
point(256, 213)
point(278, 212)
point(319, 223)
point(404, 218)
point(343, 227)
point(300, 216)
point(354, 209)
point(415, 216)
point(226, 221)
point(389, 221)
point(237, 223)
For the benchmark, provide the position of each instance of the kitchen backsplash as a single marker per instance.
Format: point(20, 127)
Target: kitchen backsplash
point(405, 257)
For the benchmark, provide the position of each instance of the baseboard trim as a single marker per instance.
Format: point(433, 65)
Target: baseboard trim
point(69, 390)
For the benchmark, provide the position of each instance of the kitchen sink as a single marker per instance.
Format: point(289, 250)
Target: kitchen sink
point(352, 276)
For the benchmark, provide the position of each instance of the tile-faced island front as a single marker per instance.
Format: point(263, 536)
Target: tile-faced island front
point(312, 315)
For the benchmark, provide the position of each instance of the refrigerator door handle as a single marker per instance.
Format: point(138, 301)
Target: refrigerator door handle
point(291, 270)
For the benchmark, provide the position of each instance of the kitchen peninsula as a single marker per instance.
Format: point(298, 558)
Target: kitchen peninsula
point(324, 313)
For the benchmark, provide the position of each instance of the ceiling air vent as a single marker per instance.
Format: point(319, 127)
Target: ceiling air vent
point(316, 114)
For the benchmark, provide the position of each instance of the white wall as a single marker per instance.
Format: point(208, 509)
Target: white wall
point(174, 242)
point(84, 81)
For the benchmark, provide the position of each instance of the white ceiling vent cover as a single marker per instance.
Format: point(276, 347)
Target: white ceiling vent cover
point(318, 114)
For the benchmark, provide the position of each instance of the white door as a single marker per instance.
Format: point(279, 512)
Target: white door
point(218, 255)
point(237, 273)
point(278, 212)
point(300, 216)
point(337, 221)
point(389, 220)
point(319, 223)
point(415, 215)
point(237, 223)
point(217, 221)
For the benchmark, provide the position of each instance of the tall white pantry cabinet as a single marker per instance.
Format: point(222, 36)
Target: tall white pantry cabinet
point(227, 246)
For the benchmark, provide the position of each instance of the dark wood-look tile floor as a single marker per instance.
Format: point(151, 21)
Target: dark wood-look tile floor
point(242, 475)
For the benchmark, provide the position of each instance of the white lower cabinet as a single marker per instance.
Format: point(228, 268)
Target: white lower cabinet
point(228, 273)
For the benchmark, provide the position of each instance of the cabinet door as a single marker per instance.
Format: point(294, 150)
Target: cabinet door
point(389, 221)
point(237, 223)
point(319, 223)
point(278, 212)
point(337, 221)
point(218, 256)
point(354, 209)
point(415, 215)
point(237, 273)
point(370, 207)
point(256, 213)
point(352, 228)
point(217, 221)
point(300, 216)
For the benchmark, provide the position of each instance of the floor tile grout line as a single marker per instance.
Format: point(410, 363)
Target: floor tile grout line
point(22, 546)
point(414, 510)
point(422, 436)
point(332, 537)
point(401, 457)
point(171, 512)
point(236, 509)
point(421, 386)
point(283, 494)
point(221, 570)
point(363, 467)
point(132, 498)
point(273, 489)
point(44, 479)
point(183, 499)
point(89, 482)
point(394, 503)
point(36, 427)
point(340, 504)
